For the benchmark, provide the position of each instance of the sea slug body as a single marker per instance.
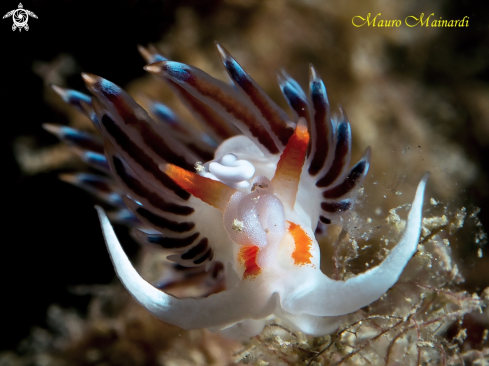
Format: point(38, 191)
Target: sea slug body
point(249, 208)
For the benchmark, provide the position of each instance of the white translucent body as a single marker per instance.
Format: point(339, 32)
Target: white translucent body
point(263, 219)
point(301, 295)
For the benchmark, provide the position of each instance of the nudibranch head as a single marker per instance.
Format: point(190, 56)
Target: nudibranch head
point(249, 208)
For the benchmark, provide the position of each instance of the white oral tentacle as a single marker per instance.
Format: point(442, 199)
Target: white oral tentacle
point(327, 297)
point(232, 171)
point(221, 310)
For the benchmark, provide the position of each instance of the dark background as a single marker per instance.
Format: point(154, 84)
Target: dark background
point(51, 238)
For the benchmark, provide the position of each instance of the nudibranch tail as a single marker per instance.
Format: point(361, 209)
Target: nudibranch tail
point(215, 311)
point(332, 298)
point(289, 168)
point(212, 192)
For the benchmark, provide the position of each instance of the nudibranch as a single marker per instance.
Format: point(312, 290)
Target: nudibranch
point(251, 205)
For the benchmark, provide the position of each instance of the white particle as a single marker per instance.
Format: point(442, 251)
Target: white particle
point(199, 168)
point(237, 225)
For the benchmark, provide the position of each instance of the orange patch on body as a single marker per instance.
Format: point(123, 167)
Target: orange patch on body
point(247, 256)
point(303, 245)
point(210, 191)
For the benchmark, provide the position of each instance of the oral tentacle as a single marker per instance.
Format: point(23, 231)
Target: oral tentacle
point(216, 311)
point(326, 297)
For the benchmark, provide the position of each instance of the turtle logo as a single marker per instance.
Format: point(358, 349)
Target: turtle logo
point(20, 17)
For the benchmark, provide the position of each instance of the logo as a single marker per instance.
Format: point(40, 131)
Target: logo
point(20, 17)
